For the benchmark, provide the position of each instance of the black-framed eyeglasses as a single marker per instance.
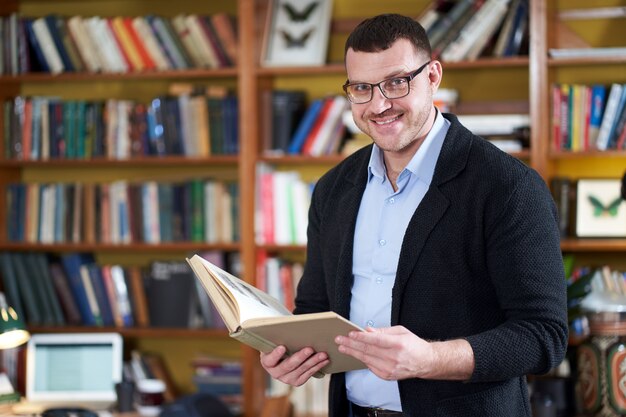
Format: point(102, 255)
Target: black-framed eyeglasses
point(396, 87)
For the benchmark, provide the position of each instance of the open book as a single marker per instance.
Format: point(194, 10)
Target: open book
point(257, 319)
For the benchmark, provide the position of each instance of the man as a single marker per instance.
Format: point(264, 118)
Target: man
point(443, 247)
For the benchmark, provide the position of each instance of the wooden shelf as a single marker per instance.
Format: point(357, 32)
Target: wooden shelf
point(588, 154)
point(43, 77)
point(593, 245)
point(136, 331)
point(302, 159)
point(282, 248)
point(111, 248)
point(115, 163)
point(563, 62)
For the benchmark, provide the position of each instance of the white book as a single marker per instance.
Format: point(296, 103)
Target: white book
point(45, 130)
point(187, 124)
point(281, 203)
point(601, 52)
point(150, 43)
point(94, 29)
point(150, 211)
point(184, 35)
point(48, 48)
point(111, 45)
point(489, 11)
point(610, 113)
point(122, 133)
point(46, 225)
point(84, 43)
point(494, 124)
point(226, 213)
point(324, 134)
point(200, 39)
point(301, 202)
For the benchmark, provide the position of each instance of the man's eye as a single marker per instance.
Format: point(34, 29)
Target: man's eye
point(395, 82)
point(361, 88)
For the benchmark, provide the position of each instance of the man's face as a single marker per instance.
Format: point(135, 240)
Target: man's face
point(395, 125)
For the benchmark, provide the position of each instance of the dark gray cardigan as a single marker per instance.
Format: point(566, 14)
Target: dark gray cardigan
point(480, 260)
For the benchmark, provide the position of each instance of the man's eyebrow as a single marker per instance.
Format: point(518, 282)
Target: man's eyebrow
point(393, 74)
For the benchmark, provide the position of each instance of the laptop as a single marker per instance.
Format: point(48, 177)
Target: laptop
point(71, 370)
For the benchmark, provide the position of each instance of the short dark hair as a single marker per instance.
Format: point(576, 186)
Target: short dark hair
point(381, 32)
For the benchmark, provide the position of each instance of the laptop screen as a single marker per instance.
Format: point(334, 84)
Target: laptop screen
point(70, 367)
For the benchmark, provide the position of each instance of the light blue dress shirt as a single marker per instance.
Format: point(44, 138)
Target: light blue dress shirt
point(381, 223)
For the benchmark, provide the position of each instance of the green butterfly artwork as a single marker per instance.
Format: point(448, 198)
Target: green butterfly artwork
point(602, 210)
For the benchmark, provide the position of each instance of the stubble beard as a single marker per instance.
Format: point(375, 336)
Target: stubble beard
point(408, 137)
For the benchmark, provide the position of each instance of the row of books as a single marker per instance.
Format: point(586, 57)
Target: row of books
point(278, 277)
point(73, 289)
point(144, 365)
point(589, 117)
point(282, 205)
point(291, 126)
point(69, 290)
point(196, 125)
point(119, 44)
point(122, 213)
point(468, 29)
point(220, 377)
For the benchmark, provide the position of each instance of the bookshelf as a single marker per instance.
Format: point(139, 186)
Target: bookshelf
point(521, 82)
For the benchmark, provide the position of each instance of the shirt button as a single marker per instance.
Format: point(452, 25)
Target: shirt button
point(392, 200)
point(379, 280)
point(382, 242)
point(370, 323)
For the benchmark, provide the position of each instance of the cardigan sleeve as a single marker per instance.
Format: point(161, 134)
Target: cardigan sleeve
point(526, 269)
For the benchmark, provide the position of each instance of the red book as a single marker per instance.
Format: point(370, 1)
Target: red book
point(139, 45)
point(118, 45)
point(310, 139)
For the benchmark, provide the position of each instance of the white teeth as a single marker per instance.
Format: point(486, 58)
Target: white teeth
point(386, 121)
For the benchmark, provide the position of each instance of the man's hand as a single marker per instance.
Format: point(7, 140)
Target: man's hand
point(394, 353)
point(296, 369)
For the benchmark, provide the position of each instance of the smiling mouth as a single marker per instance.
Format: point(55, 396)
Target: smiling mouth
point(386, 121)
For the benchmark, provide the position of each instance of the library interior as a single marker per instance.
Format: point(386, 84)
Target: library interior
point(136, 135)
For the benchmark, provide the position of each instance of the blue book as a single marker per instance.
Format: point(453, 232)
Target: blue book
point(42, 64)
point(303, 129)
point(51, 22)
point(618, 122)
point(598, 94)
point(102, 298)
point(71, 265)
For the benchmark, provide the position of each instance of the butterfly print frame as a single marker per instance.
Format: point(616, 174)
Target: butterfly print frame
point(600, 209)
point(296, 33)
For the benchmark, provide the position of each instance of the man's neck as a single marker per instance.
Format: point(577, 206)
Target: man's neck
point(395, 162)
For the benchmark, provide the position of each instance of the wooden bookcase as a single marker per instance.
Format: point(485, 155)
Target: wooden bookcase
point(518, 83)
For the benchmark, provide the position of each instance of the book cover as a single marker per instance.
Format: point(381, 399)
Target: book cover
point(610, 114)
point(48, 48)
point(260, 321)
point(137, 296)
point(226, 30)
point(64, 294)
point(187, 40)
point(71, 266)
point(304, 127)
point(10, 285)
point(170, 291)
point(598, 93)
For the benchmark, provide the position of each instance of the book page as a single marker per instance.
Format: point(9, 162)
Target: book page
point(251, 301)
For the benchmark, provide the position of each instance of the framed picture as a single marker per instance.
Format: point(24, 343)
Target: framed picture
point(296, 33)
point(600, 209)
